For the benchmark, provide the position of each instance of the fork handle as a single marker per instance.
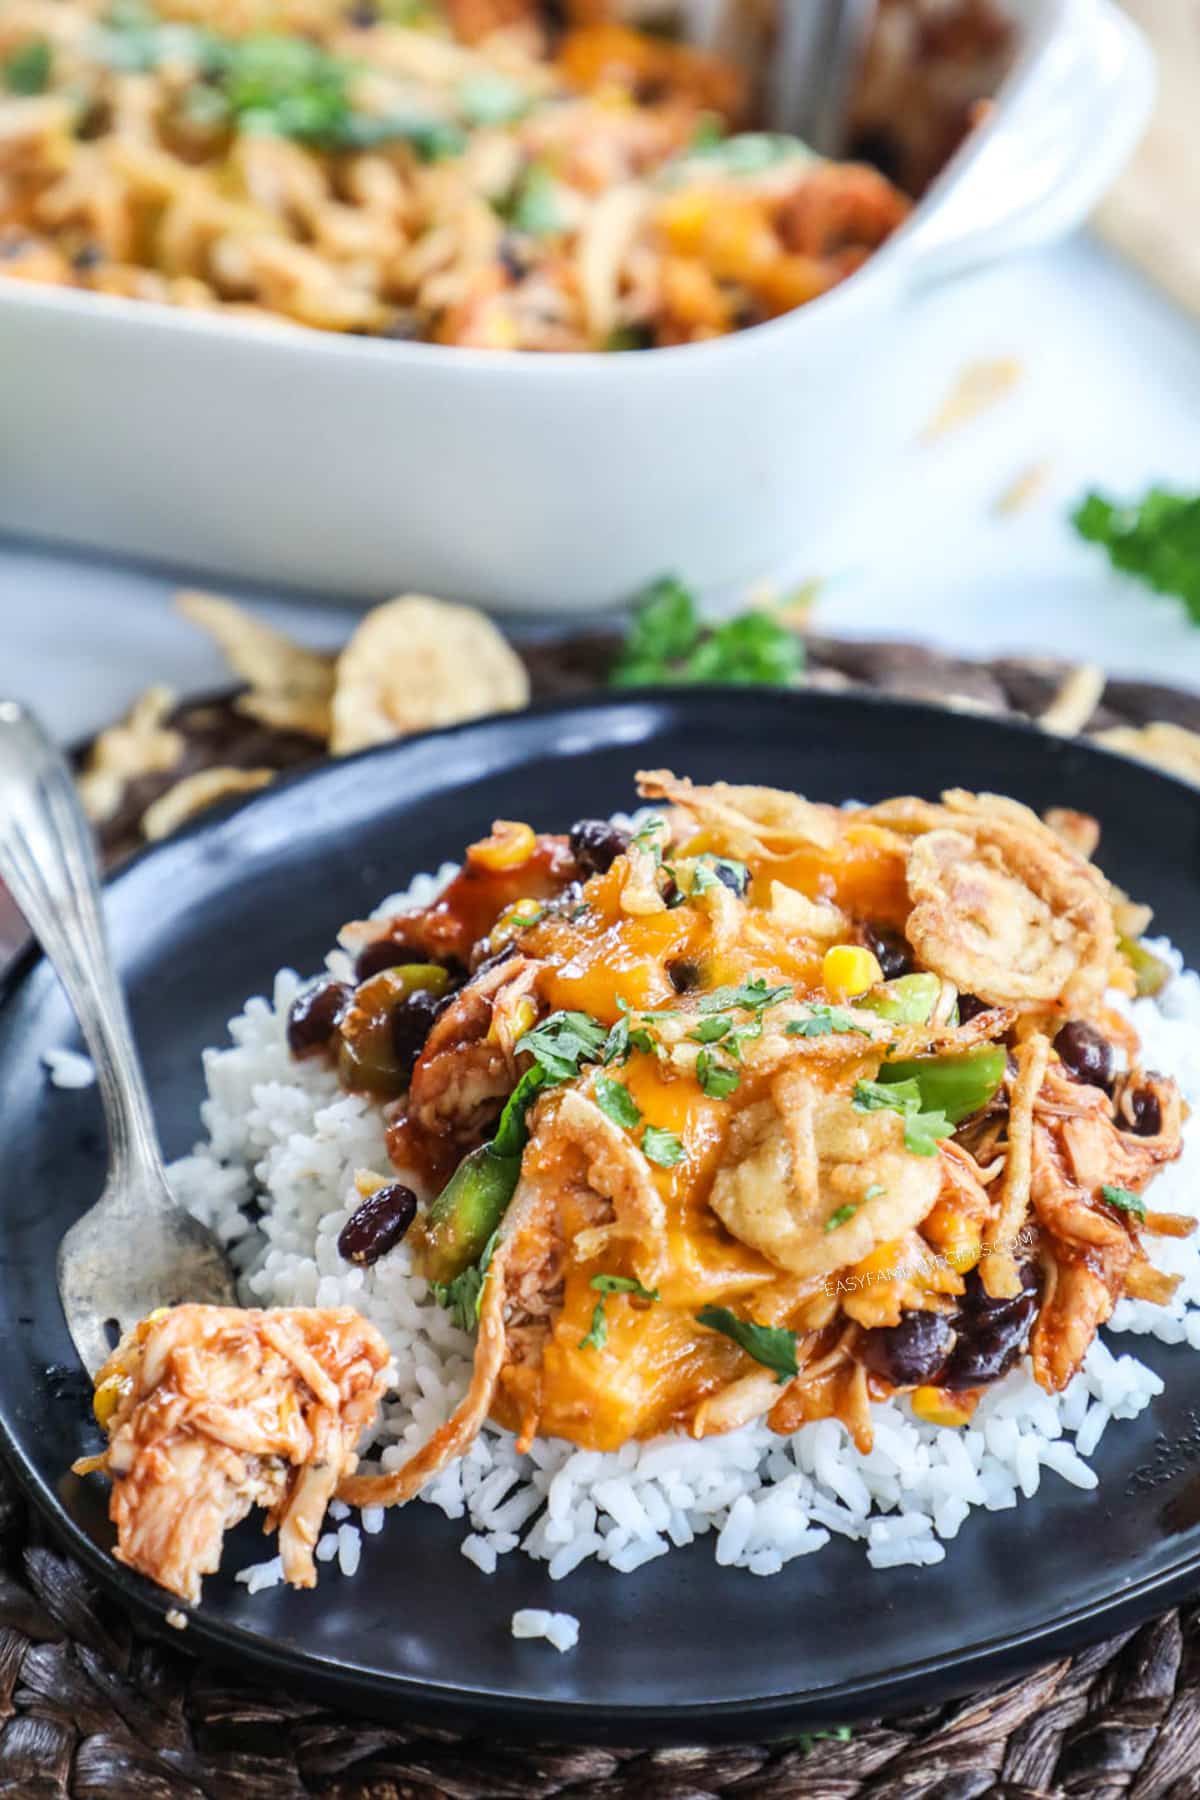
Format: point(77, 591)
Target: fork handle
point(48, 862)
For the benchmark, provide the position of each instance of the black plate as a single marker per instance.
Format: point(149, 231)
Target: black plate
point(682, 1649)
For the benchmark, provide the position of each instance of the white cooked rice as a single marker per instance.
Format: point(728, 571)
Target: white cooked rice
point(284, 1133)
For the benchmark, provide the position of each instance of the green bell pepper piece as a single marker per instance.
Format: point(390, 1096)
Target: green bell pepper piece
point(909, 1000)
point(466, 1212)
point(955, 1085)
point(1149, 971)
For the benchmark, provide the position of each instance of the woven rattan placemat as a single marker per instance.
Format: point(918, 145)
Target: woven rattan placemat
point(92, 1709)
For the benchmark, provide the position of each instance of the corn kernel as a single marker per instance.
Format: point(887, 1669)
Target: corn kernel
point(520, 914)
point(848, 970)
point(938, 1406)
point(955, 1235)
point(507, 1028)
point(511, 844)
point(107, 1398)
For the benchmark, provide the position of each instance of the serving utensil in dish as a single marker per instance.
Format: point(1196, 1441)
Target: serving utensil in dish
point(318, 460)
point(202, 921)
point(135, 1249)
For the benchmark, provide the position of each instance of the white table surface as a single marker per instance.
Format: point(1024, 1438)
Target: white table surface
point(1109, 396)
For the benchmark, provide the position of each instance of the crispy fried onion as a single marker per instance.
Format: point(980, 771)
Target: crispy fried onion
point(529, 1207)
point(794, 1160)
point(586, 1148)
point(1006, 910)
point(998, 1269)
point(760, 822)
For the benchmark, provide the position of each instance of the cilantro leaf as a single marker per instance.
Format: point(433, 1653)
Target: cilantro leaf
point(597, 1336)
point(665, 628)
point(712, 1030)
point(752, 994)
point(1156, 540)
point(668, 642)
point(662, 1147)
point(842, 1214)
point(622, 1284)
point(715, 1080)
point(563, 1041)
point(1125, 1200)
point(27, 70)
point(512, 1133)
point(922, 1130)
point(534, 205)
point(615, 1099)
point(769, 1345)
point(824, 1021)
point(463, 1297)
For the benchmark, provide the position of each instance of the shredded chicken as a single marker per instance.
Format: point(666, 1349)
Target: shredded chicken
point(216, 1410)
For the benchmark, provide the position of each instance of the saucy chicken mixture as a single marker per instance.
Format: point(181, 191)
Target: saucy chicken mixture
point(759, 1109)
point(513, 174)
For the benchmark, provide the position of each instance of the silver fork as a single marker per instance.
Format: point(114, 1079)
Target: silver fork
point(815, 58)
point(136, 1248)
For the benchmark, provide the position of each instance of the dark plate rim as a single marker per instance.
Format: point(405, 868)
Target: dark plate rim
point(940, 1676)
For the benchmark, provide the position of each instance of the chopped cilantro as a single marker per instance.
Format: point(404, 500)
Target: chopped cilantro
point(668, 642)
point(841, 1215)
point(824, 1021)
point(1155, 539)
point(715, 1080)
point(512, 1132)
point(533, 205)
point(622, 1284)
point(615, 1099)
point(873, 1192)
point(563, 1041)
point(27, 70)
point(752, 994)
point(597, 1336)
point(268, 82)
point(463, 1296)
point(661, 1147)
point(922, 1130)
point(1125, 1200)
point(770, 1345)
point(712, 1030)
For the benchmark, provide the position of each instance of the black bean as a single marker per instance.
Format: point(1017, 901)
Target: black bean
point(87, 257)
point(735, 875)
point(1086, 1053)
point(1145, 1111)
point(912, 1352)
point(683, 975)
point(386, 953)
point(991, 1333)
point(378, 1224)
point(596, 844)
point(890, 950)
point(364, 14)
point(969, 1007)
point(314, 1014)
point(411, 1022)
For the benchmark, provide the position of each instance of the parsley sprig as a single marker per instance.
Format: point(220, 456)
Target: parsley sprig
point(1155, 539)
point(668, 642)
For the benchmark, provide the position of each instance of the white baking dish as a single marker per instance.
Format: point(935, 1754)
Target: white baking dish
point(523, 481)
